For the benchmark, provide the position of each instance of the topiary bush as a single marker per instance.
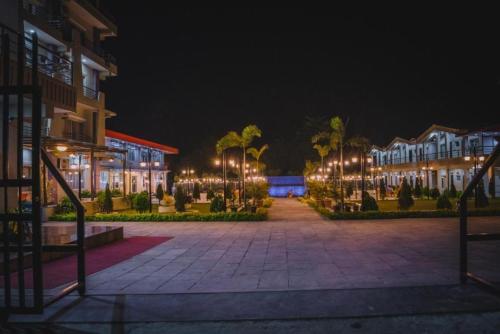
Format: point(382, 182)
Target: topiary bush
point(482, 200)
point(349, 190)
point(217, 204)
point(443, 203)
point(141, 202)
point(196, 191)
point(210, 194)
point(426, 192)
point(405, 200)
point(180, 199)
point(105, 200)
point(491, 187)
point(453, 191)
point(434, 193)
point(159, 192)
point(417, 192)
point(382, 189)
point(368, 203)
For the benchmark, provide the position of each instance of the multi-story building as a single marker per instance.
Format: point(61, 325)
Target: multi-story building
point(131, 175)
point(71, 64)
point(439, 156)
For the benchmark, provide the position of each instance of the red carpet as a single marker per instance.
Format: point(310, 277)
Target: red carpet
point(62, 271)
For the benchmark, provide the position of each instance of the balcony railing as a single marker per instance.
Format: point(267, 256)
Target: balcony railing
point(98, 50)
point(90, 92)
point(436, 156)
point(41, 12)
point(78, 136)
point(50, 63)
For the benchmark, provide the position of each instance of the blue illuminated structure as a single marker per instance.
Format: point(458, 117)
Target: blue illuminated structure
point(281, 186)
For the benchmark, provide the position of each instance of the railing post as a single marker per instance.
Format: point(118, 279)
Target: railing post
point(463, 240)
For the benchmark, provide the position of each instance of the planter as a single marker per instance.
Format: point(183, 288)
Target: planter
point(166, 209)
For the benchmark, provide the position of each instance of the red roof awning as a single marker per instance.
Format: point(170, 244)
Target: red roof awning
point(131, 139)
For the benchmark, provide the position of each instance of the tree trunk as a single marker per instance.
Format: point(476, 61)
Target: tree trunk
point(244, 176)
point(341, 177)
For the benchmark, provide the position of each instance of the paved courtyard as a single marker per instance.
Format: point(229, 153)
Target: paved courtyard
point(296, 250)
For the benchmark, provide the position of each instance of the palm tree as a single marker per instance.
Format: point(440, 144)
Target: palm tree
point(337, 140)
point(310, 168)
point(363, 145)
point(257, 153)
point(247, 135)
point(323, 151)
point(231, 139)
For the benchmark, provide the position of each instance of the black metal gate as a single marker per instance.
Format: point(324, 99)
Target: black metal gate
point(465, 236)
point(21, 225)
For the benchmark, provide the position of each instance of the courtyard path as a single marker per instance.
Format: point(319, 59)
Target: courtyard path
point(295, 250)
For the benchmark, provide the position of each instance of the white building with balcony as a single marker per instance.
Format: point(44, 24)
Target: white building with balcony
point(439, 156)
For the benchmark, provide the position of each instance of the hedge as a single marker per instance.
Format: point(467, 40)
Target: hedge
point(177, 217)
point(360, 215)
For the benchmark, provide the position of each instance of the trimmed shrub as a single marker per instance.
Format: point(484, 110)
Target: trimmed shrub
point(443, 203)
point(180, 199)
point(159, 192)
point(116, 193)
point(105, 200)
point(217, 204)
point(482, 200)
point(453, 191)
point(426, 192)
point(257, 190)
point(64, 207)
point(130, 199)
point(260, 215)
point(196, 191)
point(405, 200)
point(368, 203)
point(141, 202)
point(491, 187)
point(382, 189)
point(210, 194)
point(417, 192)
point(434, 193)
point(85, 194)
point(268, 202)
point(349, 190)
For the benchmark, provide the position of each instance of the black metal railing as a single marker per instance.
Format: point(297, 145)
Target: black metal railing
point(465, 236)
point(50, 63)
point(443, 155)
point(90, 92)
point(41, 12)
point(78, 136)
point(98, 50)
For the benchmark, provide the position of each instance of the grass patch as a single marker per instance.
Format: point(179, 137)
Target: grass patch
point(260, 215)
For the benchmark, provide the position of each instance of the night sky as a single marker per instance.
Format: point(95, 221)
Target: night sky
point(187, 76)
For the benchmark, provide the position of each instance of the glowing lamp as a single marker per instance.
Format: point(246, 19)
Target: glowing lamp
point(61, 148)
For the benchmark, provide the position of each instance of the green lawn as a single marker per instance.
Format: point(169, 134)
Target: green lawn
point(201, 207)
point(425, 204)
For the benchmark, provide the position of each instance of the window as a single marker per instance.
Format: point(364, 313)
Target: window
point(133, 153)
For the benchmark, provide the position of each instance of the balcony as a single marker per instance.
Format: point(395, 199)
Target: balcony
point(98, 50)
point(441, 156)
point(90, 93)
point(78, 136)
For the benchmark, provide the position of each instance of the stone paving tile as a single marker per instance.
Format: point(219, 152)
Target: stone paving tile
point(296, 249)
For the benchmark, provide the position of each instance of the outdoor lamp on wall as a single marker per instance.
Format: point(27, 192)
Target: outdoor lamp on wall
point(354, 159)
point(157, 163)
point(369, 160)
point(481, 158)
point(467, 158)
point(143, 164)
point(61, 148)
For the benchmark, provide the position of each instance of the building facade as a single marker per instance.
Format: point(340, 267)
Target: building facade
point(439, 157)
point(144, 159)
point(72, 63)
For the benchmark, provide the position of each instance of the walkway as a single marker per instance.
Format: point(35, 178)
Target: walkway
point(296, 250)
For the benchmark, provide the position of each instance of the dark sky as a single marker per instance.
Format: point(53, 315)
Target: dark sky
point(187, 76)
